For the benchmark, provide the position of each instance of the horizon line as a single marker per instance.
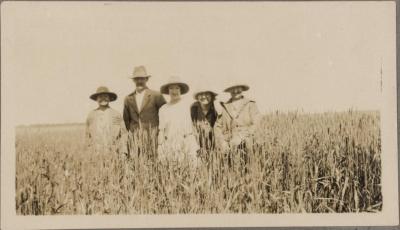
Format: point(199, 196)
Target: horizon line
point(298, 111)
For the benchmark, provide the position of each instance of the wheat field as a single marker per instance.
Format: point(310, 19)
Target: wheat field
point(314, 163)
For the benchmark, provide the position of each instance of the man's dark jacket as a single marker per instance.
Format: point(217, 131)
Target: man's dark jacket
point(147, 116)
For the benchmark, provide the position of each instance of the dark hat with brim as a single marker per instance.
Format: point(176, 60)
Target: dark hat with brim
point(174, 81)
point(243, 86)
point(204, 91)
point(103, 90)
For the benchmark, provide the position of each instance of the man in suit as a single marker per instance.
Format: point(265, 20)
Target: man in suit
point(141, 113)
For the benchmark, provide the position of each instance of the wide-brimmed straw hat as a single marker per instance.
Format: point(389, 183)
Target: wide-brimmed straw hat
point(200, 90)
point(139, 71)
point(174, 80)
point(103, 90)
point(244, 87)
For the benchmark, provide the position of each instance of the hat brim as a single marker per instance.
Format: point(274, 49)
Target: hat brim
point(133, 77)
point(184, 87)
point(113, 96)
point(245, 88)
point(205, 91)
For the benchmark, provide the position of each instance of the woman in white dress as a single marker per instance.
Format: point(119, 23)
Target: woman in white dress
point(176, 138)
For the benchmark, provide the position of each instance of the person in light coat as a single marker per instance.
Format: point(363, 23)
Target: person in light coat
point(105, 129)
point(238, 121)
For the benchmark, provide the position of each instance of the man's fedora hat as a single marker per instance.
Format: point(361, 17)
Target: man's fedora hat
point(103, 90)
point(139, 71)
point(174, 80)
point(244, 87)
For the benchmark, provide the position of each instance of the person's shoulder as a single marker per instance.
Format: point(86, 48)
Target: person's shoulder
point(217, 106)
point(129, 96)
point(249, 103)
point(186, 102)
point(222, 105)
point(154, 92)
point(244, 100)
point(163, 108)
point(91, 113)
point(194, 105)
point(249, 100)
point(114, 112)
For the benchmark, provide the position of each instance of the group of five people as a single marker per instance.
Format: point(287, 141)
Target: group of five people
point(174, 129)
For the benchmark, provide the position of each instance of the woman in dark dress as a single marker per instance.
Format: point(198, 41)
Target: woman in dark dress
point(204, 116)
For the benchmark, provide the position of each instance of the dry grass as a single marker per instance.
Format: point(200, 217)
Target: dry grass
point(299, 163)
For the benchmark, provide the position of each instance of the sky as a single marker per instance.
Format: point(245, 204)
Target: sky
point(308, 56)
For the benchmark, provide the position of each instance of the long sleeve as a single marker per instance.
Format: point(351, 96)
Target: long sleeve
point(191, 143)
point(190, 139)
point(88, 135)
point(119, 124)
point(221, 139)
point(218, 107)
point(161, 127)
point(123, 126)
point(123, 137)
point(126, 115)
point(255, 115)
point(160, 101)
point(193, 112)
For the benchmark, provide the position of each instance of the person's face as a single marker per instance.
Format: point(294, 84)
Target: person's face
point(204, 98)
point(236, 91)
point(103, 99)
point(174, 91)
point(140, 82)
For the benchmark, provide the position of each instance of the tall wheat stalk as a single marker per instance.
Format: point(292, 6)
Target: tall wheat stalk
point(317, 163)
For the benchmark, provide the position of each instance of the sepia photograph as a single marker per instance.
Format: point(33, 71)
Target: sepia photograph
point(198, 114)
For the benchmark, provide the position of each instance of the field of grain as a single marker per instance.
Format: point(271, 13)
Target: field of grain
point(314, 163)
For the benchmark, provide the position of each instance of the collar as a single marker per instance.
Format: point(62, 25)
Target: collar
point(144, 90)
point(98, 108)
point(235, 99)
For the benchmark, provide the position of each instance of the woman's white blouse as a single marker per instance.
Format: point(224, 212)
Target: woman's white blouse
point(176, 136)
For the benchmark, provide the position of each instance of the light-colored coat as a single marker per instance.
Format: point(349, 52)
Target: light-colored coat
point(104, 130)
point(237, 122)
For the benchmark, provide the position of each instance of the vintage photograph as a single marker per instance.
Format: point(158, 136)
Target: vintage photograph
point(153, 108)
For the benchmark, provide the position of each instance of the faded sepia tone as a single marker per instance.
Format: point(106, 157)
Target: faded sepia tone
point(300, 163)
point(316, 135)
